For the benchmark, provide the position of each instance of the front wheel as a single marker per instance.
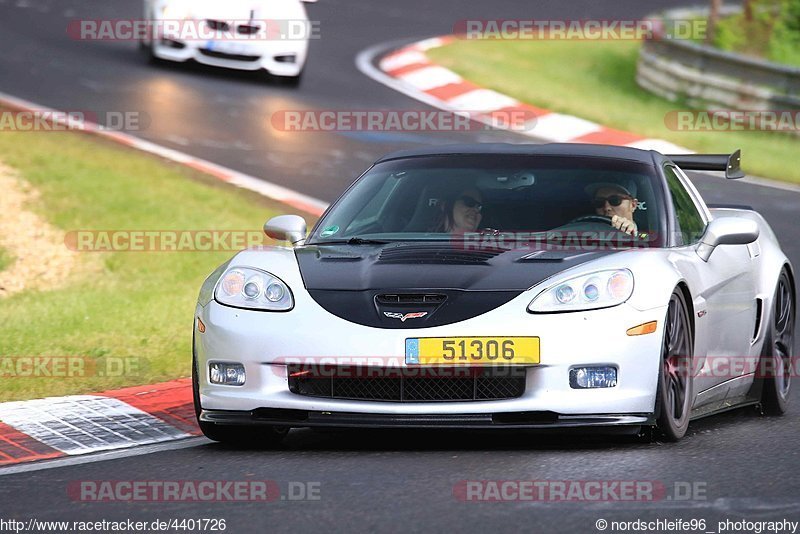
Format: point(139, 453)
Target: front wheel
point(776, 357)
point(674, 394)
point(290, 81)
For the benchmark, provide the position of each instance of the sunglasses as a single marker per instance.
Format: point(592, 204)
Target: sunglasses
point(471, 202)
point(613, 200)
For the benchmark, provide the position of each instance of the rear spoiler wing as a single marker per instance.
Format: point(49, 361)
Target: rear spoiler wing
point(730, 163)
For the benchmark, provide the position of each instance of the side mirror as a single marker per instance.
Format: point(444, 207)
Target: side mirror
point(727, 231)
point(291, 228)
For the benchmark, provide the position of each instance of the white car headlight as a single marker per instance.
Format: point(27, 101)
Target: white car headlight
point(602, 289)
point(176, 10)
point(254, 289)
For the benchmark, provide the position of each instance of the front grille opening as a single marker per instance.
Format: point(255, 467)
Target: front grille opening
point(223, 55)
point(407, 384)
point(287, 58)
point(177, 45)
point(247, 29)
point(410, 298)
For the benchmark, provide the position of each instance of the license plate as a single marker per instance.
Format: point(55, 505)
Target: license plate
point(225, 47)
point(472, 350)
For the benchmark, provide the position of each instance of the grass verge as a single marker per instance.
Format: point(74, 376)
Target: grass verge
point(5, 259)
point(597, 81)
point(132, 310)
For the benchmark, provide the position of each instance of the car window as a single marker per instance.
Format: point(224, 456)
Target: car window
point(372, 209)
point(432, 197)
point(690, 224)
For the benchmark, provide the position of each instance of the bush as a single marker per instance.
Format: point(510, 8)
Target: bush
point(769, 29)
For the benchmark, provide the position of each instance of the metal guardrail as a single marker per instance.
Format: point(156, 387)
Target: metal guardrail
point(706, 77)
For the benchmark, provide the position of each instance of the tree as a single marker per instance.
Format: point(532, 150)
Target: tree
point(713, 19)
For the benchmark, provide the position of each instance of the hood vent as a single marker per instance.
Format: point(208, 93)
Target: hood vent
point(435, 255)
point(410, 298)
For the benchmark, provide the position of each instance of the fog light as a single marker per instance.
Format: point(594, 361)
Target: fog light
point(230, 374)
point(592, 377)
point(287, 58)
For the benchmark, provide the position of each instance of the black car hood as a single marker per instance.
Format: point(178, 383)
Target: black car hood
point(379, 285)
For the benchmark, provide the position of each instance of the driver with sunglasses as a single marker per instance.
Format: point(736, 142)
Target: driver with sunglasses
point(618, 201)
point(462, 213)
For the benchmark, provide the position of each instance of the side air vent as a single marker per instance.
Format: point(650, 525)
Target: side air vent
point(759, 312)
point(410, 298)
point(435, 255)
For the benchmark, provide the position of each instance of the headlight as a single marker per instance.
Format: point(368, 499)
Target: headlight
point(176, 10)
point(254, 289)
point(588, 292)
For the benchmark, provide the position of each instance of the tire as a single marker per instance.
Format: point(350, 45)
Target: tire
point(674, 393)
point(290, 81)
point(261, 436)
point(775, 369)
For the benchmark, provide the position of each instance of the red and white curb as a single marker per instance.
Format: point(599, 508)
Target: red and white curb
point(276, 192)
point(55, 427)
point(410, 71)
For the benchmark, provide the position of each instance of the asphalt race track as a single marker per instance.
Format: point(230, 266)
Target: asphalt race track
point(742, 465)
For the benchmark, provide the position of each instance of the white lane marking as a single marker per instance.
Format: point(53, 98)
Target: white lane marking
point(482, 100)
point(403, 59)
point(80, 424)
point(262, 187)
point(68, 461)
point(427, 44)
point(426, 78)
point(561, 128)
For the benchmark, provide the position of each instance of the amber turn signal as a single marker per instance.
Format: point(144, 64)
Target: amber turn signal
point(642, 329)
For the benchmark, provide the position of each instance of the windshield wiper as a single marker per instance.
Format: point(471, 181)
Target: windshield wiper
point(353, 241)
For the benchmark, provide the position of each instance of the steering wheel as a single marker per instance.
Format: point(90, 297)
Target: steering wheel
point(592, 218)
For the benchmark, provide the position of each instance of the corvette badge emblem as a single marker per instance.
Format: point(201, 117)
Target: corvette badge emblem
point(404, 316)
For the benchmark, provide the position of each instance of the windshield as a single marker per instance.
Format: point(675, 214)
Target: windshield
point(445, 197)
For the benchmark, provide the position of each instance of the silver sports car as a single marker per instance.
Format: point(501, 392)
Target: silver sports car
point(501, 286)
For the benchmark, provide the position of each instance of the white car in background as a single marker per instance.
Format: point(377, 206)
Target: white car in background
point(237, 34)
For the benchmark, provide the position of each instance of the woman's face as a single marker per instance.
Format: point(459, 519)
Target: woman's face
point(467, 211)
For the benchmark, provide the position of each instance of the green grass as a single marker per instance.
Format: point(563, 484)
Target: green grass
point(5, 259)
point(134, 306)
point(597, 81)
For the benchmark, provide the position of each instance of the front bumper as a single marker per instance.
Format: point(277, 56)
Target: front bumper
point(245, 56)
point(263, 342)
